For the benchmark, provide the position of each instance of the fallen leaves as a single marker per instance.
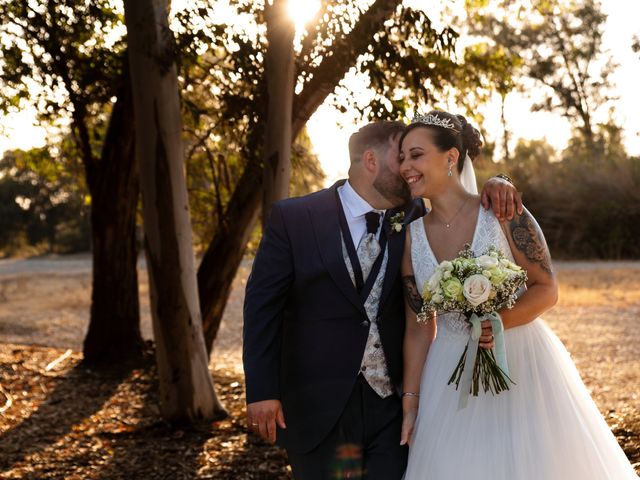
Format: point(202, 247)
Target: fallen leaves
point(81, 423)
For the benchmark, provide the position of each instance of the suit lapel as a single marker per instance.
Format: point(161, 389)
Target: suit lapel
point(324, 219)
point(412, 211)
point(395, 246)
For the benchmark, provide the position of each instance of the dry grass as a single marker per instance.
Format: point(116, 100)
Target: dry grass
point(72, 423)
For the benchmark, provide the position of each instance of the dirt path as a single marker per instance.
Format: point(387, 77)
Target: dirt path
point(45, 301)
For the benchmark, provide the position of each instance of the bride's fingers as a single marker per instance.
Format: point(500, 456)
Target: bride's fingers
point(486, 342)
point(405, 437)
point(407, 428)
point(486, 338)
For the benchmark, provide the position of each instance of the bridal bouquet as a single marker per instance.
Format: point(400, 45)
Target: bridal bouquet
point(477, 287)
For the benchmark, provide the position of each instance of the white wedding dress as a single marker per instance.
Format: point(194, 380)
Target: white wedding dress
point(546, 427)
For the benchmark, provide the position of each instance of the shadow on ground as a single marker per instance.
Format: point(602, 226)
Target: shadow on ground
point(78, 423)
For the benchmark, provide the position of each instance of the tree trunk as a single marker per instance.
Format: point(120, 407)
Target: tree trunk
point(224, 254)
point(279, 65)
point(186, 386)
point(114, 329)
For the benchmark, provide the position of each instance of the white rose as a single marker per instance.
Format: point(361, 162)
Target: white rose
point(446, 274)
point(486, 262)
point(437, 298)
point(434, 281)
point(477, 289)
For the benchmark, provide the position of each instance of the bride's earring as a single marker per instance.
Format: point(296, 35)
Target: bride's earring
point(449, 174)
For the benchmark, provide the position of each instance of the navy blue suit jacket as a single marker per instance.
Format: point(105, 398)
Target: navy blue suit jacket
point(305, 326)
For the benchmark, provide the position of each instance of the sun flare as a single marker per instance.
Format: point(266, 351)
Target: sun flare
point(302, 11)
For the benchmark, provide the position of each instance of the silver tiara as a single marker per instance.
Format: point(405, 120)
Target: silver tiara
point(434, 119)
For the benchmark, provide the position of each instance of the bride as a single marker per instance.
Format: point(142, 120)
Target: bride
point(546, 426)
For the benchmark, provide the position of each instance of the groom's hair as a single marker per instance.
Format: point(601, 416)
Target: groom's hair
point(374, 136)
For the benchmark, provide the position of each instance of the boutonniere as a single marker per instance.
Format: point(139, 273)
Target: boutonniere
point(397, 222)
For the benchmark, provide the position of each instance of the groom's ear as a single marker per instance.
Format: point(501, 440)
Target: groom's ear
point(370, 161)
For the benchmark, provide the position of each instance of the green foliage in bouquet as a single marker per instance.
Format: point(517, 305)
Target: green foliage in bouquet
point(476, 287)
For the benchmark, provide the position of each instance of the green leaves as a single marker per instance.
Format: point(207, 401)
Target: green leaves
point(59, 53)
point(42, 201)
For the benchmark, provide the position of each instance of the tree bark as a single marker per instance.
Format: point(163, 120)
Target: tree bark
point(113, 336)
point(224, 254)
point(114, 329)
point(186, 386)
point(279, 66)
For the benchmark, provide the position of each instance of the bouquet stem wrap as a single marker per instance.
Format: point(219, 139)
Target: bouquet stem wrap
point(500, 354)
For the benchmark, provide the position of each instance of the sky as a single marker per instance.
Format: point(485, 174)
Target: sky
point(18, 130)
point(328, 123)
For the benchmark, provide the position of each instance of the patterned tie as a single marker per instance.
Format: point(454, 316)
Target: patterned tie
point(369, 248)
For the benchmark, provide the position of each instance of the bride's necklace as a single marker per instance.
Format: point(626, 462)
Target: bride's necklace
point(447, 223)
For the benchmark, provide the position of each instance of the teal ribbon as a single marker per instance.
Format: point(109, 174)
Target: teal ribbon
point(499, 351)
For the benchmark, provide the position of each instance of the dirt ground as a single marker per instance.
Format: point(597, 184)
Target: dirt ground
point(65, 422)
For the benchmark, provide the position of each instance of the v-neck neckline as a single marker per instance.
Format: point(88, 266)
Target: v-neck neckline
point(473, 238)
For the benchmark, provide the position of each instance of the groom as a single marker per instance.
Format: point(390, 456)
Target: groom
point(324, 317)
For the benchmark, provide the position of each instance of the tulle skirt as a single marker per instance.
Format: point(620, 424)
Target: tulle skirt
point(546, 427)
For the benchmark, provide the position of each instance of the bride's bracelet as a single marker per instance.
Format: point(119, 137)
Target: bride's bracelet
point(410, 394)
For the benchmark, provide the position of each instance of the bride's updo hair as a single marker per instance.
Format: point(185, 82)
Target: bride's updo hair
point(449, 131)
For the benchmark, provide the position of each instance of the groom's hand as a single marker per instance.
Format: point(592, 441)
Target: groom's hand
point(263, 416)
point(503, 197)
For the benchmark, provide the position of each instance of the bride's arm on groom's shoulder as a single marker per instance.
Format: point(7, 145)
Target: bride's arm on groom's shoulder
point(417, 339)
point(531, 252)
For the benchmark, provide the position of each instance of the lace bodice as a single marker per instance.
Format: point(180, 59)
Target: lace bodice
point(487, 232)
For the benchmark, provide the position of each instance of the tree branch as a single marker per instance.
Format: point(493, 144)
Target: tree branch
point(346, 51)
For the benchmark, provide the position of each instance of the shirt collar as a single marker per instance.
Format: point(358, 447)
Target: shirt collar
point(354, 203)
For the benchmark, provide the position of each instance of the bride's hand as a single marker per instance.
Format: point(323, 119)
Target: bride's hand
point(409, 415)
point(486, 339)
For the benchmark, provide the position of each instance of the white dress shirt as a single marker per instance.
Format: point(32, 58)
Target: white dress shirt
point(355, 207)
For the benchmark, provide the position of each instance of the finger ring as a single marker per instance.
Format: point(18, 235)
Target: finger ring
point(255, 424)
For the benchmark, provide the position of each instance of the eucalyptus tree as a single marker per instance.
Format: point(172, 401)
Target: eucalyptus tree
point(186, 386)
point(65, 58)
point(406, 60)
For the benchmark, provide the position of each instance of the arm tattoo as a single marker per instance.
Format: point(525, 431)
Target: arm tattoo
point(528, 238)
point(411, 293)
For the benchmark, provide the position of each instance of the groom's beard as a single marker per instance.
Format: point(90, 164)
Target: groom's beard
point(392, 187)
